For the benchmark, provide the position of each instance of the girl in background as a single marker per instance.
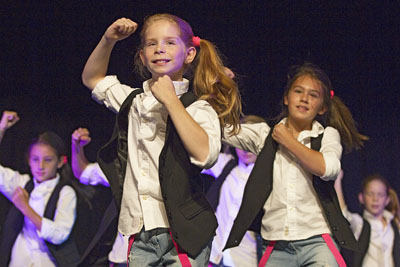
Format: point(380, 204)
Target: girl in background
point(377, 229)
point(289, 196)
point(225, 195)
point(38, 226)
point(165, 134)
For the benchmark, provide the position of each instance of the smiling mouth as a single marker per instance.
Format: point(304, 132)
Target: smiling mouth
point(302, 108)
point(160, 62)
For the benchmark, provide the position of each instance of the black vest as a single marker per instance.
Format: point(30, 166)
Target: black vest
point(190, 216)
point(214, 192)
point(259, 187)
point(65, 254)
point(364, 239)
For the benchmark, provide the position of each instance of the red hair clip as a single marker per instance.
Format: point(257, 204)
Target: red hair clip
point(332, 94)
point(196, 41)
point(65, 159)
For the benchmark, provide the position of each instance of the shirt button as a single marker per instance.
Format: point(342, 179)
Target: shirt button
point(144, 197)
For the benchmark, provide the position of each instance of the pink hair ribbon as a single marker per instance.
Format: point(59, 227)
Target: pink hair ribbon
point(196, 41)
point(332, 94)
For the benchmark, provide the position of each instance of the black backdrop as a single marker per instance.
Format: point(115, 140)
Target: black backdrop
point(44, 45)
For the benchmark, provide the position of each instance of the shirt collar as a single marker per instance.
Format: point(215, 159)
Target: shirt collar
point(181, 87)
point(47, 184)
point(386, 214)
point(316, 129)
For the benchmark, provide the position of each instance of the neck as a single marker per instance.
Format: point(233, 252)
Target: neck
point(297, 126)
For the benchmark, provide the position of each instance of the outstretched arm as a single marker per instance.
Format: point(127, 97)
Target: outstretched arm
point(97, 64)
point(80, 138)
point(339, 190)
point(8, 119)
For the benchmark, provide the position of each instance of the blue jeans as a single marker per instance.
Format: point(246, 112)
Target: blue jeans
point(309, 252)
point(155, 248)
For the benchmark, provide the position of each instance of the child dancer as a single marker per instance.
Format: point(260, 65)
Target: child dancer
point(289, 195)
point(164, 137)
point(38, 226)
point(225, 195)
point(377, 231)
point(91, 174)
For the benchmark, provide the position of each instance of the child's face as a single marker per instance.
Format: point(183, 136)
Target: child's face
point(375, 197)
point(305, 100)
point(164, 52)
point(44, 162)
point(245, 157)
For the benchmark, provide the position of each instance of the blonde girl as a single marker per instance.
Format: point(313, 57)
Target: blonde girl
point(165, 134)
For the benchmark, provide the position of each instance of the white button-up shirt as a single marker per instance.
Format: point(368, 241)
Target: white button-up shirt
point(381, 240)
point(292, 211)
point(142, 202)
point(230, 199)
point(93, 175)
point(30, 248)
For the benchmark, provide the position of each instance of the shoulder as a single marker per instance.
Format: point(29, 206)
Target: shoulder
point(331, 133)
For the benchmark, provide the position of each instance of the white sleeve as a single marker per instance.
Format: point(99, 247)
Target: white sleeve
point(93, 175)
point(58, 231)
point(202, 112)
point(331, 150)
point(10, 180)
point(111, 93)
point(216, 170)
point(355, 220)
point(251, 137)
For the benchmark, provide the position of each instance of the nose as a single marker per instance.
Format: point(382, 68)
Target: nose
point(160, 48)
point(41, 164)
point(304, 97)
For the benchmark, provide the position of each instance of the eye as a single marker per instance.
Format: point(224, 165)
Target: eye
point(148, 44)
point(170, 42)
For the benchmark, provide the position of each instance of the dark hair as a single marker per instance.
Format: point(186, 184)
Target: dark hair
point(337, 115)
point(54, 141)
point(210, 81)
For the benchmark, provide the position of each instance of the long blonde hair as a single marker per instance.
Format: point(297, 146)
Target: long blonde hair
point(210, 81)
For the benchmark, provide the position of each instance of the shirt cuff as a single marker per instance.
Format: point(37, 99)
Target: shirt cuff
point(93, 175)
point(99, 91)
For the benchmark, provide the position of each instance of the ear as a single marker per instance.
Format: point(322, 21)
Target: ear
point(60, 162)
point(285, 100)
point(323, 110)
point(142, 57)
point(387, 201)
point(361, 198)
point(190, 55)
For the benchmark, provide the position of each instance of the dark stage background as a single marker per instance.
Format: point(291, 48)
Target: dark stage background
point(44, 46)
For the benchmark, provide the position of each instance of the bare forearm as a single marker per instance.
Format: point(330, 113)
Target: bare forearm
point(96, 66)
point(33, 216)
point(194, 138)
point(310, 159)
point(2, 132)
point(339, 193)
point(78, 160)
